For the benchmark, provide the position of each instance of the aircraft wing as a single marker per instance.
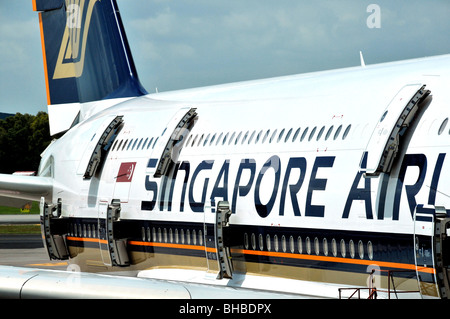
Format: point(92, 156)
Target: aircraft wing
point(17, 190)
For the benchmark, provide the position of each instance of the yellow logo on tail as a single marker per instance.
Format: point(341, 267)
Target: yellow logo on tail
point(71, 55)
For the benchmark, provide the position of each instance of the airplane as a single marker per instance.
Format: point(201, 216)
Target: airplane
point(322, 184)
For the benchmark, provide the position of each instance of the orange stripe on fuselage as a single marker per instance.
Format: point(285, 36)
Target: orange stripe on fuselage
point(384, 264)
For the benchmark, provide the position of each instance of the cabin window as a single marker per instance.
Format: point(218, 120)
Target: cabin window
point(343, 250)
point(304, 134)
point(312, 134)
point(296, 134)
point(237, 138)
point(288, 135)
point(347, 130)
point(300, 245)
point(320, 133)
point(330, 130)
point(325, 246)
point(273, 136)
point(338, 131)
point(281, 135)
point(443, 125)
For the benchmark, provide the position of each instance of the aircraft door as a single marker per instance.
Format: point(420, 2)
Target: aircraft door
point(432, 249)
point(218, 254)
point(385, 142)
point(103, 244)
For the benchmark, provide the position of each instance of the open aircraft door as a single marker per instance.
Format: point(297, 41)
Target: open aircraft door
point(217, 248)
point(431, 250)
point(385, 141)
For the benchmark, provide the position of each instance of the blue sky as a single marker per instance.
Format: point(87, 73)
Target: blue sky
point(179, 44)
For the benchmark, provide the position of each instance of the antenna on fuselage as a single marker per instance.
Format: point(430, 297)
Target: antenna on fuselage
point(363, 64)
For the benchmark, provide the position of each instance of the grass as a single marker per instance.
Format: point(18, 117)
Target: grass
point(20, 229)
point(4, 210)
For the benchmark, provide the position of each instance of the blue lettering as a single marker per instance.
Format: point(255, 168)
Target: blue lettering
point(298, 163)
point(243, 190)
point(185, 166)
point(435, 179)
point(360, 193)
point(221, 191)
point(317, 184)
point(198, 207)
point(419, 160)
point(264, 210)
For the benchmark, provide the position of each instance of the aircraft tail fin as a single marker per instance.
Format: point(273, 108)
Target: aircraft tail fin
point(86, 54)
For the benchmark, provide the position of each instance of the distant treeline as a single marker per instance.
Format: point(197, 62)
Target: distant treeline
point(4, 115)
point(23, 137)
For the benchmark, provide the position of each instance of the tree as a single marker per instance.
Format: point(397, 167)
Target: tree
point(23, 137)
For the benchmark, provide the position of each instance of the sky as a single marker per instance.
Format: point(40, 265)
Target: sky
point(178, 44)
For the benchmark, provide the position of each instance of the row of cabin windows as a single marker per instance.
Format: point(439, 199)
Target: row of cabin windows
point(134, 144)
point(269, 136)
point(309, 246)
point(236, 138)
point(268, 243)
